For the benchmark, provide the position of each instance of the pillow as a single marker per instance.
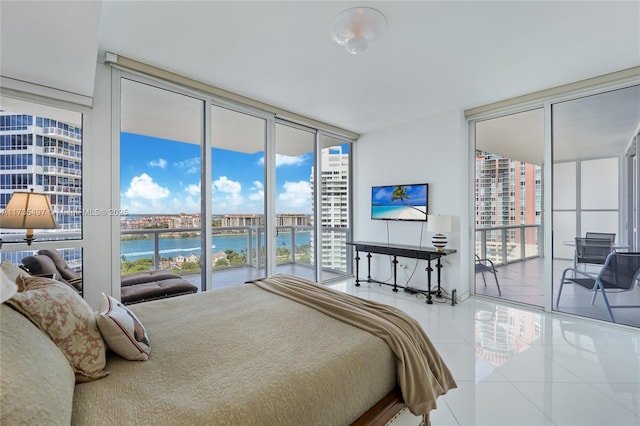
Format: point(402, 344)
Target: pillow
point(7, 287)
point(12, 271)
point(37, 382)
point(122, 330)
point(67, 319)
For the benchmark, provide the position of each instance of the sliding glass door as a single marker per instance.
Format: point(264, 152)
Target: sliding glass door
point(237, 197)
point(509, 160)
point(294, 214)
point(593, 186)
point(160, 181)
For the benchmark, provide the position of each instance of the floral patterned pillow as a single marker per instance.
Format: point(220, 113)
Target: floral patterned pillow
point(67, 319)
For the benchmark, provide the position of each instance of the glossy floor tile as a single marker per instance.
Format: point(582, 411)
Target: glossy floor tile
point(516, 366)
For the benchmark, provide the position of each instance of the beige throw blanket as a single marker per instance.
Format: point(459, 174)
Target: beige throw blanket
point(421, 372)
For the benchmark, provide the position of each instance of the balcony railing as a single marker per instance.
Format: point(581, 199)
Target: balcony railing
point(507, 244)
point(61, 151)
point(252, 246)
point(55, 131)
point(61, 170)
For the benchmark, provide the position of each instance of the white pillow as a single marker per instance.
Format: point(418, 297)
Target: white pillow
point(122, 330)
point(7, 287)
point(12, 271)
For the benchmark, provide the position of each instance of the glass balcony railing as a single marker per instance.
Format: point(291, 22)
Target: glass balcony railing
point(507, 244)
point(179, 249)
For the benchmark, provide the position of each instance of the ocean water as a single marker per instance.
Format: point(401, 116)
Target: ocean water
point(171, 247)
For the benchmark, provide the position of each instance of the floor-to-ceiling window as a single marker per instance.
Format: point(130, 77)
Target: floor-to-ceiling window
point(228, 195)
point(237, 196)
point(508, 208)
point(294, 166)
point(334, 212)
point(591, 136)
point(160, 180)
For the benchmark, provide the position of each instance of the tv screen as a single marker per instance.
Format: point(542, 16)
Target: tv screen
point(400, 202)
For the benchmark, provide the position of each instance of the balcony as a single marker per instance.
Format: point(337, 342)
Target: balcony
point(57, 132)
point(61, 152)
point(237, 252)
point(518, 254)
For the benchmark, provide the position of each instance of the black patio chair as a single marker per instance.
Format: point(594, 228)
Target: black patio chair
point(601, 235)
point(593, 251)
point(620, 272)
point(486, 265)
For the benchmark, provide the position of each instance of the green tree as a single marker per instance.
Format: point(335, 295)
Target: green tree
point(139, 265)
point(400, 193)
point(221, 263)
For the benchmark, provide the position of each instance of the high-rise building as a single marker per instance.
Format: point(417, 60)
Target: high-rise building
point(508, 193)
point(44, 155)
point(334, 208)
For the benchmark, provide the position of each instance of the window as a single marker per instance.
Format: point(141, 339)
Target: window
point(52, 166)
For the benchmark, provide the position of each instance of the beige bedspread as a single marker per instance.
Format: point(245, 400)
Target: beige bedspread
point(421, 372)
point(240, 356)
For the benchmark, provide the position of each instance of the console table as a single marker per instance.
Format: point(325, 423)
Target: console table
point(398, 250)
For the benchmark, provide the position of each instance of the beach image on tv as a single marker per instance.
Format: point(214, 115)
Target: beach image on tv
point(401, 202)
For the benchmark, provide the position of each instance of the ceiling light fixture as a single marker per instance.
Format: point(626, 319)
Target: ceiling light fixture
point(356, 28)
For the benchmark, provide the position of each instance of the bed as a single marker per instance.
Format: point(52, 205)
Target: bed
point(261, 354)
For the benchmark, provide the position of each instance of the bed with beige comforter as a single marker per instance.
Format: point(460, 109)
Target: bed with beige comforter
point(278, 351)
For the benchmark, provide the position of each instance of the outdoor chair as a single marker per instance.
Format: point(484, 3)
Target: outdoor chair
point(601, 235)
point(486, 265)
point(593, 251)
point(620, 272)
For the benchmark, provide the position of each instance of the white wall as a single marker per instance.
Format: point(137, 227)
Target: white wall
point(432, 150)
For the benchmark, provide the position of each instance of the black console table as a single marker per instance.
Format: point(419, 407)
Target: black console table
point(398, 250)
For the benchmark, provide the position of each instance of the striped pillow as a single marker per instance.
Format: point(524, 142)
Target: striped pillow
point(122, 330)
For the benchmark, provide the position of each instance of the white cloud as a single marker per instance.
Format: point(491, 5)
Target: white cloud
point(296, 195)
point(227, 196)
point(160, 162)
point(257, 191)
point(192, 165)
point(224, 184)
point(144, 187)
point(286, 160)
point(193, 189)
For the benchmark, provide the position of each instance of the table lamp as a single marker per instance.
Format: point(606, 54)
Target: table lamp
point(28, 210)
point(439, 224)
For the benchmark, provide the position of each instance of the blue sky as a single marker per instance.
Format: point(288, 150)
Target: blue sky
point(162, 176)
point(417, 195)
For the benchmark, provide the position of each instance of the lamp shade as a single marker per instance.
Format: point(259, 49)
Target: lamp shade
point(439, 223)
point(28, 210)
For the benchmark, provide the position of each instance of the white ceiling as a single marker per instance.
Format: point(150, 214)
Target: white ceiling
point(434, 57)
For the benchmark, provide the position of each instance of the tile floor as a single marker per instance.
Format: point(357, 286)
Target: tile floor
point(525, 367)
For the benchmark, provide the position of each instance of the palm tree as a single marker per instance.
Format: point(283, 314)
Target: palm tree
point(400, 193)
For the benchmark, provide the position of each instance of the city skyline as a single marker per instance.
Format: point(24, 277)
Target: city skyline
point(160, 176)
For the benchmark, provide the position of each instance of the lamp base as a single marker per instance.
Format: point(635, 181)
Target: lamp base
point(439, 241)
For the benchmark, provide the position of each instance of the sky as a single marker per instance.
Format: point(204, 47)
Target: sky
point(416, 195)
point(163, 177)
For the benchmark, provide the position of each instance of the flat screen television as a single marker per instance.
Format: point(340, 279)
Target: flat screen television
point(400, 202)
